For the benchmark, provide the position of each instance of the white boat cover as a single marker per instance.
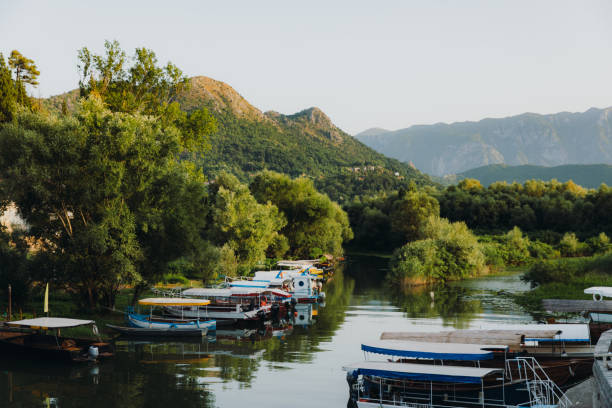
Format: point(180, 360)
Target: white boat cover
point(173, 302)
point(51, 322)
point(303, 263)
point(438, 351)
point(249, 284)
point(227, 292)
point(603, 291)
point(421, 372)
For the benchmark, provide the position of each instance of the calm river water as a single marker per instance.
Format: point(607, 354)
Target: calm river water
point(298, 366)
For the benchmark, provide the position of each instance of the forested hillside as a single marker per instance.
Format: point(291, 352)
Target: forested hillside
point(545, 140)
point(586, 175)
point(306, 143)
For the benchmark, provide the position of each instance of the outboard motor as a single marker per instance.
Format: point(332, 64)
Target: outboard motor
point(92, 353)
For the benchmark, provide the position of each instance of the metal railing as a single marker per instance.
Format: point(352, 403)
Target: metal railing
point(542, 390)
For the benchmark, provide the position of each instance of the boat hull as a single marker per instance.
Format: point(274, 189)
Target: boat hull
point(153, 332)
point(47, 347)
point(145, 322)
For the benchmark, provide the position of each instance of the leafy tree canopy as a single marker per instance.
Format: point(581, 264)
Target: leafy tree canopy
point(313, 220)
point(237, 220)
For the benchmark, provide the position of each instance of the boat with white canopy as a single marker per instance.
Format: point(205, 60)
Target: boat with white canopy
point(42, 338)
point(235, 304)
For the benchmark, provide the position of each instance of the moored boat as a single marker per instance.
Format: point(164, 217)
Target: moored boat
point(34, 340)
point(391, 384)
point(564, 372)
point(156, 325)
point(236, 304)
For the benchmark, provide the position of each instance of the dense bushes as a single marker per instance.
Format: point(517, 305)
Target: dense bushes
point(533, 206)
point(449, 251)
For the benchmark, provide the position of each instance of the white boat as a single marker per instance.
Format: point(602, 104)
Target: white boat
point(599, 292)
point(302, 285)
point(238, 303)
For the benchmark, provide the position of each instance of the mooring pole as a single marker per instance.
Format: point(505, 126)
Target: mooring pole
point(10, 310)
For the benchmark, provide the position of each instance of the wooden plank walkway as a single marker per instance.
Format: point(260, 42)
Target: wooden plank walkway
point(602, 370)
point(570, 306)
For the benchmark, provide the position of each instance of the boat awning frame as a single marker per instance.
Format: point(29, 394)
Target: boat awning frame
point(436, 351)
point(51, 323)
point(173, 302)
point(422, 372)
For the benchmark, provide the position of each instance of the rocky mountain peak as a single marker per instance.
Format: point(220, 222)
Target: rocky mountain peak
point(219, 96)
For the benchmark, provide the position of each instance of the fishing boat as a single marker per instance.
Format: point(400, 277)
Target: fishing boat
point(235, 304)
point(380, 384)
point(163, 326)
point(31, 338)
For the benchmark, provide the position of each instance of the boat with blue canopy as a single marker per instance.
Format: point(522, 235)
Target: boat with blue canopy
point(436, 351)
point(563, 371)
point(387, 384)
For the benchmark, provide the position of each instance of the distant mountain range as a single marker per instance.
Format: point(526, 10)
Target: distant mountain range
point(586, 175)
point(542, 140)
point(305, 143)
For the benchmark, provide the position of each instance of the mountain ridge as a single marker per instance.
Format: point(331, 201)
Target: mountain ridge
point(528, 138)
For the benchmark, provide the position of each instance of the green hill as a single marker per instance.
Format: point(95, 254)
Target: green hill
point(586, 175)
point(305, 143)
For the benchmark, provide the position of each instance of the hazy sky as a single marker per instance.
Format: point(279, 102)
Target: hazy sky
point(380, 63)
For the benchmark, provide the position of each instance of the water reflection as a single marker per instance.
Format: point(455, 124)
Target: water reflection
point(272, 365)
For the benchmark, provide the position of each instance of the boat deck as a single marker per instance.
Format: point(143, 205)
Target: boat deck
point(576, 306)
point(602, 369)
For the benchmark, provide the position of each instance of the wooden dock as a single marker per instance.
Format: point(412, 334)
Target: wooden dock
point(602, 372)
point(576, 306)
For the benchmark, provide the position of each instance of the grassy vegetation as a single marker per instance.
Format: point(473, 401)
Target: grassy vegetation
point(565, 279)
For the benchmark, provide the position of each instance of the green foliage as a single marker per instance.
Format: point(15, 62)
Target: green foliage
point(449, 251)
point(25, 73)
point(14, 268)
point(103, 195)
point(239, 221)
point(541, 250)
point(410, 212)
point(568, 269)
point(571, 246)
point(565, 278)
point(600, 244)
point(586, 175)
point(313, 220)
point(8, 92)
point(174, 278)
point(145, 88)
point(534, 207)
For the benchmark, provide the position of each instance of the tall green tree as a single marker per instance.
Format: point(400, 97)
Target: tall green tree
point(26, 72)
point(239, 221)
point(313, 220)
point(409, 213)
point(8, 94)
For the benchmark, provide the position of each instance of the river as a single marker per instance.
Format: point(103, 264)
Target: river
point(296, 366)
